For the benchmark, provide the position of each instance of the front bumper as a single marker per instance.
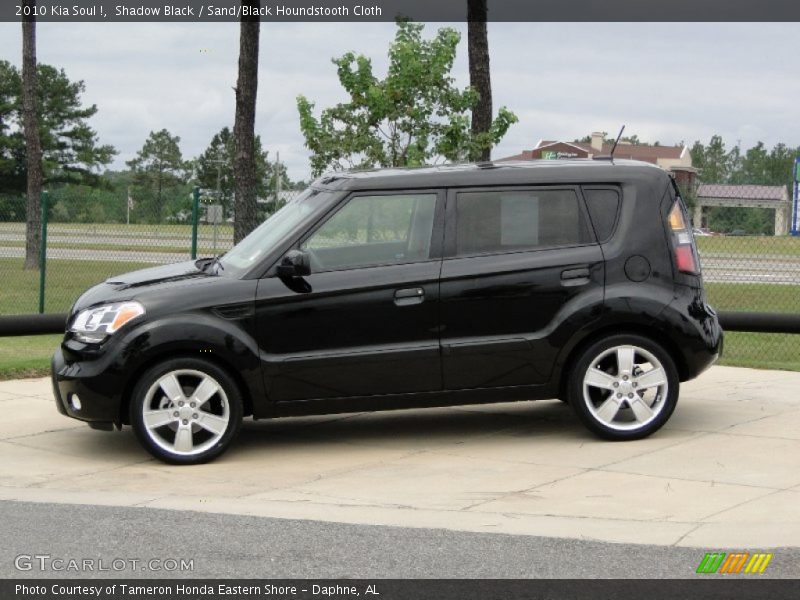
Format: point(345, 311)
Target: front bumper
point(95, 386)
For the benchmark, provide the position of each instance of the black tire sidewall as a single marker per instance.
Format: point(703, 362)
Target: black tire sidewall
point(154, 373)
point(575, 386)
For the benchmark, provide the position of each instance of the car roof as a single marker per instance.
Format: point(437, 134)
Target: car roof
point(517, 172)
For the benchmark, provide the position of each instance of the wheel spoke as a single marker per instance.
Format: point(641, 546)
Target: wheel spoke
point(213, 423)
point(169, 384)
point(653, 378)
point(183, 439)
point(608, 409)
point(207, 388)
point(625, 360)
point(153, 419)
point(640, 409)
point(599, 379)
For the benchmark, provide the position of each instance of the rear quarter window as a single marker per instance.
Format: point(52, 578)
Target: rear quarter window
point(511, 221)
point(603, 206)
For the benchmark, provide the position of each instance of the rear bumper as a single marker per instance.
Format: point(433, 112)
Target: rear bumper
point(703, 347)
point(81, 391)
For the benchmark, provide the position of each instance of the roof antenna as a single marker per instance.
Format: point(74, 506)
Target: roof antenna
point(614, 147)
point(610, 157)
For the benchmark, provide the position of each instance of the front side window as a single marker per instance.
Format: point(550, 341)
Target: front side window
point(266, 236)
point(509, 221)
point(373, 230)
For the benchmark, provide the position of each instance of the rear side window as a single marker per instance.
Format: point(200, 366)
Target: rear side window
point(508, 221)
point(603, 205)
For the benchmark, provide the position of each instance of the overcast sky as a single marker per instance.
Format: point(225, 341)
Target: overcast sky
point(666, 82)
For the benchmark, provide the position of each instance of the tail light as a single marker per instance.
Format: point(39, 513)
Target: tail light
point(683, 241)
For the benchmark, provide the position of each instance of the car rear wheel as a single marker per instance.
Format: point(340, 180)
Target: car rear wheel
point(624, 387)
point(186, 411)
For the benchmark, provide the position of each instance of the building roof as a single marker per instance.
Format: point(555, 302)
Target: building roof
point(745, 192)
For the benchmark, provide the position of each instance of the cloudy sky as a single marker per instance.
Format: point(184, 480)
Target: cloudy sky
point(666, 82)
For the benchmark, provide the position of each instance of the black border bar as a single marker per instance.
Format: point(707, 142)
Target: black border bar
point(724, 588)
point(684, 11)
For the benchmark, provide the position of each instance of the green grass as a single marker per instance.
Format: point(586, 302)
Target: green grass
point(758, 245)
point(66, 280)
point(27, 356)
point(762, 350)
point(754, 297)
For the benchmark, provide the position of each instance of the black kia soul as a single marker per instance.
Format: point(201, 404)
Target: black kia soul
point(391, 289)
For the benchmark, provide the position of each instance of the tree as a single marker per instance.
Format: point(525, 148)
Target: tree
point(71, 152)
point(244, 125)
point(713, 161)
point(215, 167)
point(479, 74)
point(413, 116)
point(158, 169)
point(33, 147)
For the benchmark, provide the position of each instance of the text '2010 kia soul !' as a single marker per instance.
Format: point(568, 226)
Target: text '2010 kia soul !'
point(407, 288)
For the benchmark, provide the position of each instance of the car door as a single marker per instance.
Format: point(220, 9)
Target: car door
point(365, 321)
point(517, 262)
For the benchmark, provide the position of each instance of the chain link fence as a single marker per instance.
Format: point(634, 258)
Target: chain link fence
point(750, 261)
point(85, 247)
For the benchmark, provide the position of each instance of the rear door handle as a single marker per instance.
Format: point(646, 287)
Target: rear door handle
point(408, 296)
point(575, 276)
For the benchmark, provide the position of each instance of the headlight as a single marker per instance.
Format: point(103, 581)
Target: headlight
point(94, 324)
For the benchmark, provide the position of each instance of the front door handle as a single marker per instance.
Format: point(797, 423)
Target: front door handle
point(408, 296)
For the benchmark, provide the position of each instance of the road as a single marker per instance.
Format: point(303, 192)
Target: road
point(259, 547)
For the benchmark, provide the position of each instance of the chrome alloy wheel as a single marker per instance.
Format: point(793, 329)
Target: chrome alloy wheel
point(625, 387)
point(186, 412)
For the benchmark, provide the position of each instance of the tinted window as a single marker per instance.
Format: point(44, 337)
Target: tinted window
point(517, 220)
point(602, 205)
point(371, 230)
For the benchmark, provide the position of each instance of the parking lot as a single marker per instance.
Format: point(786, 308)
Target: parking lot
point(723, 473)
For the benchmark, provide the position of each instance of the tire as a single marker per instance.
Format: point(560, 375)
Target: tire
point(624, 387)
point(175, 425)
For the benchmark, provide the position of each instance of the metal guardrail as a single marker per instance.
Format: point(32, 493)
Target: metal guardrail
point(760, 322)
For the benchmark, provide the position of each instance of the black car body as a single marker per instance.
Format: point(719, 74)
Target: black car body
point(407, 288)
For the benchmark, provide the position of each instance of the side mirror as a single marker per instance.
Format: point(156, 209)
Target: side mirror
point(296, 263)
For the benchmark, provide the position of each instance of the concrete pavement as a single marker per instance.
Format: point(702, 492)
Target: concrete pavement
point(723, 473)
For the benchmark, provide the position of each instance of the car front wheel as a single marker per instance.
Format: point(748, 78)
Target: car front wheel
point(186, 411)
point(624, 387)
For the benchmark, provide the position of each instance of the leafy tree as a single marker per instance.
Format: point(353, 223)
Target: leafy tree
point(158, 172)
point(413, 116)
point(68, 147)
point(215, 167)
point(244, 125)
point(714, 161)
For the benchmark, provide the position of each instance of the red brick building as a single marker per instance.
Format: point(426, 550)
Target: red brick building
point(676, 159)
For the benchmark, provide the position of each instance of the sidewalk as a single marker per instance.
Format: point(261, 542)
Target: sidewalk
point(723, 473)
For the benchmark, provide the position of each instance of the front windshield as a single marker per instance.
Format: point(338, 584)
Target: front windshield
point(263, 238)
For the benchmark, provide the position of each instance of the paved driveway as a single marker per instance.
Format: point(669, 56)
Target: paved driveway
point(725, 472)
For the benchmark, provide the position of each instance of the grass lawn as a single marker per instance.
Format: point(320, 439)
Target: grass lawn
point(754, 297)
point(758, 245)
point(66, 280)
point(27, 356)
